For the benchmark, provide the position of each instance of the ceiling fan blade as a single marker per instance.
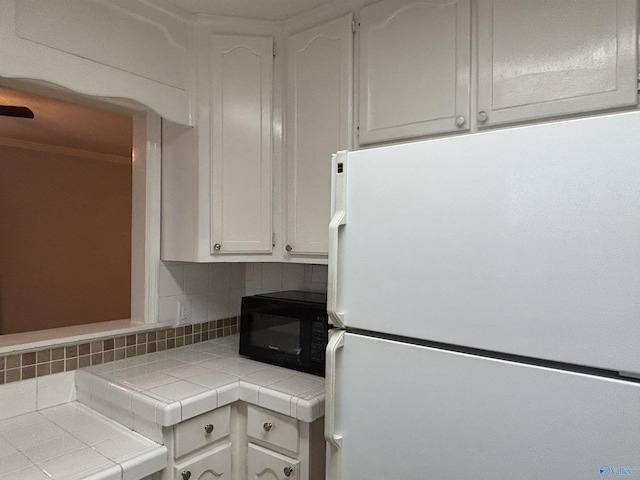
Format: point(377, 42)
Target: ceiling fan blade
point(12, 111)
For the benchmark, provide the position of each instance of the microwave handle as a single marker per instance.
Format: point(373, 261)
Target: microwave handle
point(338, 219)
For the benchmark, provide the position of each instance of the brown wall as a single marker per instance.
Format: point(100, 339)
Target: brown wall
point(65, 240)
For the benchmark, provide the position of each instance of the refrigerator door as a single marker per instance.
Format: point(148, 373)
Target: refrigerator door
point(525, 241)
point(410, 412)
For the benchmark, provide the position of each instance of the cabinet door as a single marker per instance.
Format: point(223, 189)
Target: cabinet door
point(538, 59)
point(241, 92)
point(213, 464)
point(320, 62)
point(265, 464)
point(414, 68)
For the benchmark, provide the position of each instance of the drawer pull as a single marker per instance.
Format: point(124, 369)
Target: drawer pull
point(267, 426)
point(208, 428)
point(288, 471)
point(186, 475)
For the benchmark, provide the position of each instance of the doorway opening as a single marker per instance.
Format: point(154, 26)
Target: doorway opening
point(66, 214)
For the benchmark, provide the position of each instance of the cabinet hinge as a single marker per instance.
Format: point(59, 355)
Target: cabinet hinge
point(639, 82)
point(273, 239)
point(358, 129)
point(274, 49)
point(355, 26)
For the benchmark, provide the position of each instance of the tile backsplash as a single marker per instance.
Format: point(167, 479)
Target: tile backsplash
point(273, 277)
point(32, 364)
point(210, 290)
point(212, 293)
point(214, 290)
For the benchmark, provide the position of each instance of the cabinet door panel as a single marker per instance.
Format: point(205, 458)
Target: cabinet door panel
point(556, 57)
point(319, 99)
point(414, 68)
point(213, 465)
point(241, 92)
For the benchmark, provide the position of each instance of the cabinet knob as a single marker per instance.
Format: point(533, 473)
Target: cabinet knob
point(288, 248)
point(267, 426)
point(186, 475)
point(482, 116)
point(460, 120)
point(288, 471)
point(208, 428)
point(217, 247)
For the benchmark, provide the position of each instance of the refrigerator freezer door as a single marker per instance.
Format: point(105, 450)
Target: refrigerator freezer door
point(524, 241)
point(411, 412)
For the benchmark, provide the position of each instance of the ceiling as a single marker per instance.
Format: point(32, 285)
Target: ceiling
point(66, 124)
point(255, 9)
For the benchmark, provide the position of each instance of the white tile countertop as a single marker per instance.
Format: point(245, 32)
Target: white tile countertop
point(72, 442)
point(164, 388)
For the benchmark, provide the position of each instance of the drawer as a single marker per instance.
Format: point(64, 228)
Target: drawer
point(273, 428)
point(194, 433)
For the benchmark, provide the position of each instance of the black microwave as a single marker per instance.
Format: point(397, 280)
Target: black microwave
point(288, 329)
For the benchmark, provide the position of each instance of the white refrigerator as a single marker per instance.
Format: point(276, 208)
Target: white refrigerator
point(486, 294)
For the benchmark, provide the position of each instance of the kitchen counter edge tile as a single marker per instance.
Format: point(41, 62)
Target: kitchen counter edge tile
point(172, 386)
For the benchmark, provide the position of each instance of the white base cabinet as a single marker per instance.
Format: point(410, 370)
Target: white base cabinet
point(282, 447)
point(213, 464)
point(264, 464)
point(203, 430)
point(242, 441)
point(200, 447)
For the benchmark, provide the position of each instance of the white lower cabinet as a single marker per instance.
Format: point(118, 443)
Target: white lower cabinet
point(243, 441)
point(215, 463)
point(264, 464)
point(202, 447)
point(202, 430)
point(281, 447)
point(272, 428)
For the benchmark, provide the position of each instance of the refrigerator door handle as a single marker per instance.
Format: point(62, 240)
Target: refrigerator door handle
point(338, 219)
point(336, 341)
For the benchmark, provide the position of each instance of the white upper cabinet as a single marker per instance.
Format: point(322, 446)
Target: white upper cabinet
point(241, 169)
point(319, 112)
point(217, 176)
point(539, 59)
point(415, 59)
